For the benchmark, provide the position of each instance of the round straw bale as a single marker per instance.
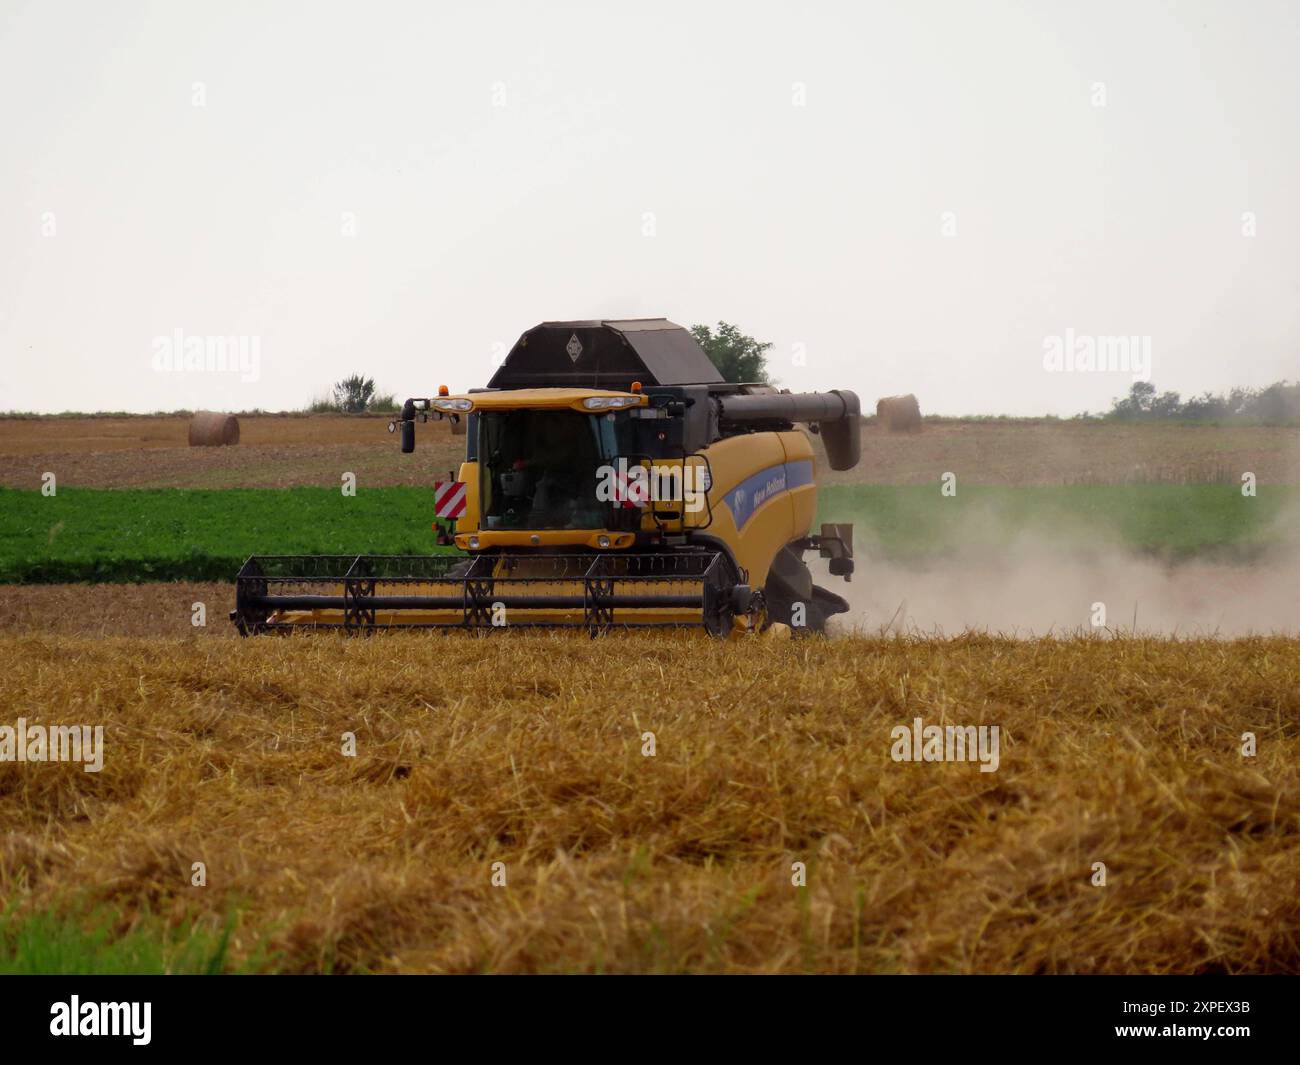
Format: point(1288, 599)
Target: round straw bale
point(210, 429)
point(899, 414)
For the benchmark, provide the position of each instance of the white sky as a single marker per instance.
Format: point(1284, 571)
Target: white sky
point(816, 225)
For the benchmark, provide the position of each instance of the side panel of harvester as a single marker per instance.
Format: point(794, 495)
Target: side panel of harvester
point(763, 496)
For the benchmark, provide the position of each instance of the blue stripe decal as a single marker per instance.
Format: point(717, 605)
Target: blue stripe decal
point(753, 492)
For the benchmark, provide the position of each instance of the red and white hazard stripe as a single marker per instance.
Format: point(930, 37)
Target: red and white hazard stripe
point(449, 498)
point(629, 493)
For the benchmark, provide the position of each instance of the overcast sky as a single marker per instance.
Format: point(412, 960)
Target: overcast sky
point(901, 197)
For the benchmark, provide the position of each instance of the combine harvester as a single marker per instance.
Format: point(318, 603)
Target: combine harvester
point(611, 478)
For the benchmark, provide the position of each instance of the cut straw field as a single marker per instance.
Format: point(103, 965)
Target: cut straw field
point(528, 751)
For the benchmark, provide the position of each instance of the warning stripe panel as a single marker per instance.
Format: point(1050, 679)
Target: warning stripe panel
point(449, 498)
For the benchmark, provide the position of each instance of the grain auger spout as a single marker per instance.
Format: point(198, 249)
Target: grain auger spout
point(611, 479)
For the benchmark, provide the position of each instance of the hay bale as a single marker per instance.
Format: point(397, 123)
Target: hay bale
point(899, 414)
point(210, 429)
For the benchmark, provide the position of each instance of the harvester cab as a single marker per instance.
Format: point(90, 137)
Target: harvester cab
point(611, 478)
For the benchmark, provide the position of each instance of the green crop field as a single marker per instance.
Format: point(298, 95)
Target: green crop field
point(1170, 520)
point(164, 534)
point(182, 534)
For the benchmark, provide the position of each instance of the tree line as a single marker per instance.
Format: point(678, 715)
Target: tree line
point(1279, 402)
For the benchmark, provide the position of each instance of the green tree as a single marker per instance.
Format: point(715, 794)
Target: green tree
point(1136, 403)
point(740, 359)
point(353, 394)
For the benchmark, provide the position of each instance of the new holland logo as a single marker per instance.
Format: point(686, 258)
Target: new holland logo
point(574, 347)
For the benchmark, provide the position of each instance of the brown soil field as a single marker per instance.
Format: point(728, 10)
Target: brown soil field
point(528, 751)
point(73, 434)
point(159, 609)
point(273, 452)
point(277, 451)
point(1069, 452)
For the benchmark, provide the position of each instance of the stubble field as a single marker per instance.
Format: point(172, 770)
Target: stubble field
point(530, 751)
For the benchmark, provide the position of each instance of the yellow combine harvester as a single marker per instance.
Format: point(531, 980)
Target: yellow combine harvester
point(611, 478)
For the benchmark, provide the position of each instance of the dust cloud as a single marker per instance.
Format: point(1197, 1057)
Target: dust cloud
point(1032, 585)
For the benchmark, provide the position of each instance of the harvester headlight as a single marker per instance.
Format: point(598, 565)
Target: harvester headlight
point(610, 402)
point(602, 540)
point(453, 404)
point(473, 543)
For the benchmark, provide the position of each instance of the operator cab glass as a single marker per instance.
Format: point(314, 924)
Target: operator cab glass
point(540, 468)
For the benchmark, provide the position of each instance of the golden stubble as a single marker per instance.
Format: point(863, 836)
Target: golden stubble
point(526, 749)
